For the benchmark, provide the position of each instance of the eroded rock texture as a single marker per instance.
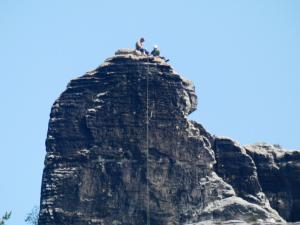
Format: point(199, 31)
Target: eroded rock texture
point(279, 176)
point(237, 168)
point(120, 150)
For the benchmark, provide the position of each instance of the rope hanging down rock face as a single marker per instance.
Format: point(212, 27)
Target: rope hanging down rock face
point(147, 141)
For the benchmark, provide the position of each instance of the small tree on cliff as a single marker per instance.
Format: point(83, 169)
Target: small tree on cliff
point(33, 217)
point(5, 218)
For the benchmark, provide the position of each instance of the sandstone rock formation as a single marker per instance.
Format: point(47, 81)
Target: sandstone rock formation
point(238, 169)
point(120, 150)
point(262, 174)
point(279, 176)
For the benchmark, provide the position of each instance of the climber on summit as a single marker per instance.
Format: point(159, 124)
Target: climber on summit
point(139, 46)
point(156, 53)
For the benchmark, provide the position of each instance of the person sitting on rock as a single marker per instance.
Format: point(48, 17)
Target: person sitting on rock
point(139, 46)
point(156, 53)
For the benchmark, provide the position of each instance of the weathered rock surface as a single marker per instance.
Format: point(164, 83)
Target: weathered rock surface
point(237, 168)
point(279, 177)
point(120, 150)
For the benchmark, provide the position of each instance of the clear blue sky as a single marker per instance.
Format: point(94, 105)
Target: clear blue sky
point(243, 57)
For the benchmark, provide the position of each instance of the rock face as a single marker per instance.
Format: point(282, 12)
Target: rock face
point(279, 176)
point(238, 169)
point(120, 150)
point(263, 174)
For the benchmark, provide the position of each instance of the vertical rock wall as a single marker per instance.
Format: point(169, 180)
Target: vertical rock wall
point(120, 150)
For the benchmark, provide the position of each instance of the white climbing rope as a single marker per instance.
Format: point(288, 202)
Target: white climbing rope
point(147, 144)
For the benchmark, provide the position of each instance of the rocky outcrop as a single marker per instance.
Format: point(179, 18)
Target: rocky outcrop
point(279, 177)
point(238, 169)
point(120, 150)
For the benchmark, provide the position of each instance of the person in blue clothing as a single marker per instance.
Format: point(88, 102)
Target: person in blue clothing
point(139, 46)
